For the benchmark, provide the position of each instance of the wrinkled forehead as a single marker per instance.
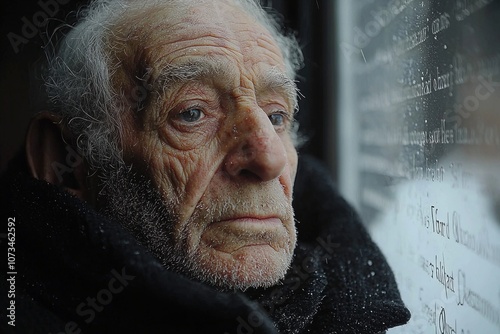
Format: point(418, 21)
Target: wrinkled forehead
point(168, 35)
point(163, 32)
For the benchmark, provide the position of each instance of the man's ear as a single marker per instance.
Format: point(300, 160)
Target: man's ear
point(52, 157)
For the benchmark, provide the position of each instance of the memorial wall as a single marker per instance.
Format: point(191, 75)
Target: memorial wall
point(420, 151)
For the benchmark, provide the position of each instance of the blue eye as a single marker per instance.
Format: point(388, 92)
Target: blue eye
point(277, 119)
point(191, 115)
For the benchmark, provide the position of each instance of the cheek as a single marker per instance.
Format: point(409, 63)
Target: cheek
point(292, 161)
point(192, 141)
point(186, 176)
point(287, 179)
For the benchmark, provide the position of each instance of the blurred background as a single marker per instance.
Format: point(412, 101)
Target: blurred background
point(418, 147)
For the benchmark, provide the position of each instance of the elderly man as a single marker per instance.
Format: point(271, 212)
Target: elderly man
point(155, 195)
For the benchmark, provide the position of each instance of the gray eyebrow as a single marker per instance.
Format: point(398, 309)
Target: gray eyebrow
point(173, 75)
point(276, 80)
point(155, 83)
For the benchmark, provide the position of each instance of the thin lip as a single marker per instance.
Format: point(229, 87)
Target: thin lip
point(250, 218)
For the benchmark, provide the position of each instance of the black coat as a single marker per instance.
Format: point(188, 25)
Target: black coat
point(78, 272)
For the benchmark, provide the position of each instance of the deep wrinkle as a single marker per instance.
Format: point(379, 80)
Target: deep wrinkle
point(231, 162)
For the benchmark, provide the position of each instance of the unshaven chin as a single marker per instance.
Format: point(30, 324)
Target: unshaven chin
point(240, 237)
point(222, 244)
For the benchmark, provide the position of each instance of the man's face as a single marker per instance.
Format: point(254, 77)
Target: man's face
point(215, 140)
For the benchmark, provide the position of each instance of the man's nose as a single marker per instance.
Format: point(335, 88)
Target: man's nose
point(257, 149)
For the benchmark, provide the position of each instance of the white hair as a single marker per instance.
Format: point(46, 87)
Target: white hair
point(79, 78)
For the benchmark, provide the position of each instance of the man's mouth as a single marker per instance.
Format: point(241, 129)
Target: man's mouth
point(250, 221)
point(232, 233)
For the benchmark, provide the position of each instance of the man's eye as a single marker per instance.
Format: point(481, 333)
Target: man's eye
point(191, 115)
point(278, 119)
